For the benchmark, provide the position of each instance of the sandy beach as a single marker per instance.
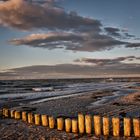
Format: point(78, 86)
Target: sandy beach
point(105, 102)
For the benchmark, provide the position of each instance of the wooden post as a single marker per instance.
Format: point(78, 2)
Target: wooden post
point(30, 118)
point(51, 122)
point(44, 119)
point(0, 112)
point(74, 126)
point(88, 124)
point(68, 125)
point(97, 125)
point(37, 119)
point(136, 127)
point(3, 111)
point(17, 115)
point(127, 127)
point(60, 123)
point(105, 126)
point(6, 113)
point(116, 126)
point(81, 123)
point(24, 116)
point(12, 113)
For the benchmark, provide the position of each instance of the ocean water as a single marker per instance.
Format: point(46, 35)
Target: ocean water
point(37, 91)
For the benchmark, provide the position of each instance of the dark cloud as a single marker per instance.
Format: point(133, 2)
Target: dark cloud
point(105, 62)
point(129, 35)
point(133, 45)
point(70, 41)
point(23, 14)
point(113, 31)
point(72, 71)
point(119, 33)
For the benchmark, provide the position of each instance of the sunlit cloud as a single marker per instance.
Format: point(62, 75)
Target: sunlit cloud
point(25, 15)
point(69, 41)
point(86, 33)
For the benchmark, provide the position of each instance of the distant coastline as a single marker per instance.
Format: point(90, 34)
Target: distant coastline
point(76, 78)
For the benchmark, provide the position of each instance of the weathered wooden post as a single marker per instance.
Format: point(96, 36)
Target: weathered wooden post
point(136, 127)
point(116, 126)
point(105, 126)
point(3, 111)
point(12, 113)
point(30, 118)
point(6, 113)
point(68, 125)
point(127, 127)
point(74, 126)
point(51, 122)
point(97, 125)
point(44, 119)
point(37, 119)
point(24, 116)
point(88, 124)
point(17, 115)
point(81, 123)
point(60, 123)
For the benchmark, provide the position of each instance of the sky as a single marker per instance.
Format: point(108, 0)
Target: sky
point(69, 38)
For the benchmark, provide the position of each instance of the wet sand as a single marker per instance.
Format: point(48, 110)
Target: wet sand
point(69, 106)
point(104, 102)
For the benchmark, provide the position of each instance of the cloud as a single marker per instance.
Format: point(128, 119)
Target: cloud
point(72, 71)
point(133, 45)
point(129, 35)
point(119, 33)
point(68, 30)
point(25, 15)
point(113, 31)
point(108, 62)
point(70, 41)
point(51, 40)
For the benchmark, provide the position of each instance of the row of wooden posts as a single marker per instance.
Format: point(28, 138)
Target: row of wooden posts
point(84, 124)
